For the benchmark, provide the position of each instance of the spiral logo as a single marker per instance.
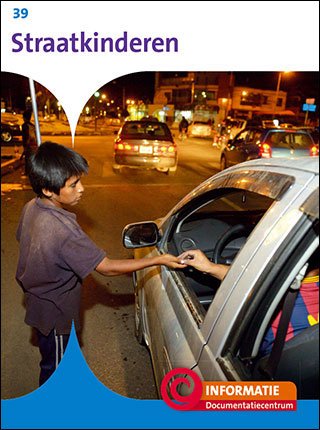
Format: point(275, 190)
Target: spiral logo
point(186, 402)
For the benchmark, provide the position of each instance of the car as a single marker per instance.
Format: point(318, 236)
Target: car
point(199, 129)
point(10, 131)
point(11, 140)
point(145, 144)
point(269, 123)
point(221, 137)
point(262, 142)
point(286, 125)
point(262, 219)
point(235, 125)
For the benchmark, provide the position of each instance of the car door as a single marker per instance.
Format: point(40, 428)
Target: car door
point(252, 145)
point(175, 304)
point(232, 350)
point(171, 319)
point(235, 150)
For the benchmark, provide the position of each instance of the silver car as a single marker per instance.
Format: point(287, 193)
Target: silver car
point(261, 218)
point(145, 144)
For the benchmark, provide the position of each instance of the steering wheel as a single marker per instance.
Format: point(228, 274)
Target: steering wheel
point(238, 230)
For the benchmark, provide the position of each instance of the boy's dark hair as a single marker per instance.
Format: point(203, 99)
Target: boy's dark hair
point(52, 165)
point(27, 115)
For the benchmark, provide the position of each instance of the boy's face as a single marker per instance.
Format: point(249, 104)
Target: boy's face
point(70, 194)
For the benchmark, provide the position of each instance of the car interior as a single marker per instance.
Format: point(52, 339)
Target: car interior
point(217, 223)
point(299, 360)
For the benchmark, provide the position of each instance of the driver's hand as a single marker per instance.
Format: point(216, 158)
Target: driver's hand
point(197, 259)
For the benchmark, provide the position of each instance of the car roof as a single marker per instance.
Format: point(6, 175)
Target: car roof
point(276, 129)
point(307, 164)
point(277, 173)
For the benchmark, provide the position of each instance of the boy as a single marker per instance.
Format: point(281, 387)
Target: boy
point(55, 254)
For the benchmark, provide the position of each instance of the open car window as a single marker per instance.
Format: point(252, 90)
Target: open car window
point(218, 223)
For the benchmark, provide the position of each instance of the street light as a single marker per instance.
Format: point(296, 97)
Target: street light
point(277, 93)
point(96, 94)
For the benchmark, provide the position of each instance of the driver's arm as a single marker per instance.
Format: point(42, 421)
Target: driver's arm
point(199, 261)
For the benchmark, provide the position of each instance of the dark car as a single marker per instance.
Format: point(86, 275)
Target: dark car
point(9, 131)
point(11, 140)
point(261, 142)
point(145, 144)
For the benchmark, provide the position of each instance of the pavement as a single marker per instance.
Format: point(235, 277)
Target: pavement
point(56, 127)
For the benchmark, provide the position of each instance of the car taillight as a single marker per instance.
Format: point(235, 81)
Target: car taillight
point(265, 151)
point(314, 151)
point(126, 147)
point(164, 149)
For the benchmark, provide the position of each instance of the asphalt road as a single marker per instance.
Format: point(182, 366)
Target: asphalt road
point(109, 203)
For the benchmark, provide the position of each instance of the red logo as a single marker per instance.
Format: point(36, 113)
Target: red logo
point(186, 402)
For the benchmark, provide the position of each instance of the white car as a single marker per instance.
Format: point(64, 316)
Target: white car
point(199, 129)
point(235, 126)
point(261, 218)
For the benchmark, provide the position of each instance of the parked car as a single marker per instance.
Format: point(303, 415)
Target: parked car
point(10, 131)
point(262, 219)
point(145, 144)
point(260, 142)
point(11, 140)
point(199, 129)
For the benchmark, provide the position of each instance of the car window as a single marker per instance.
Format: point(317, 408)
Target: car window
point(301, 140)
point(218, 224)
point(200, 123)
point(281, 140)
point(254, 136)
point(146, 130)
point(241, 137)
point(289, 140)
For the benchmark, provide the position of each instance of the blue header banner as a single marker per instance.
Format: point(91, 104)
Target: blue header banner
point(73, 398)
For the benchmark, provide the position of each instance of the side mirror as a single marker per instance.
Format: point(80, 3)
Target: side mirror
point(140, 235)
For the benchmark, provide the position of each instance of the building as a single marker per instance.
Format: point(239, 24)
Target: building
point(210, 96)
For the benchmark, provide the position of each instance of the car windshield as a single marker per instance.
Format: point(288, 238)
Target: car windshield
point(292, 140)
point(146, 130)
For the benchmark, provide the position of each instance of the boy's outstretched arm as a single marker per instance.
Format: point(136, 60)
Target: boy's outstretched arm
point(110, 267)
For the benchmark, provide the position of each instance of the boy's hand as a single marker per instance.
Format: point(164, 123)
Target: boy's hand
point(172, 262)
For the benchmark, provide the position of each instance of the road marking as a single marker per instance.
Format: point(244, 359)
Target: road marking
point(230, 203)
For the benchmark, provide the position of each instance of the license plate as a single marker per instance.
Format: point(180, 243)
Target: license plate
point(146, 149)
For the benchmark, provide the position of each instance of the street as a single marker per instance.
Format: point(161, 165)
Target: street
point(110, 202)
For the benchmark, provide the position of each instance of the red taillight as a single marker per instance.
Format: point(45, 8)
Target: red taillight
point(314, 151)
point(126, 147)
point(163, 149)
point(265, 151)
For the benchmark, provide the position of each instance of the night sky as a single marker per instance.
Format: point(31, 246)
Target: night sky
point(141, 85)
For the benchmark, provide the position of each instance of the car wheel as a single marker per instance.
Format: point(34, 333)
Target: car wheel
point(6, 136)
point(116, 169)
point(223, 163)
point(171, 171)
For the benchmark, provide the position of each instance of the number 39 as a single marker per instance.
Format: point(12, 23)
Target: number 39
point(17, 13)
